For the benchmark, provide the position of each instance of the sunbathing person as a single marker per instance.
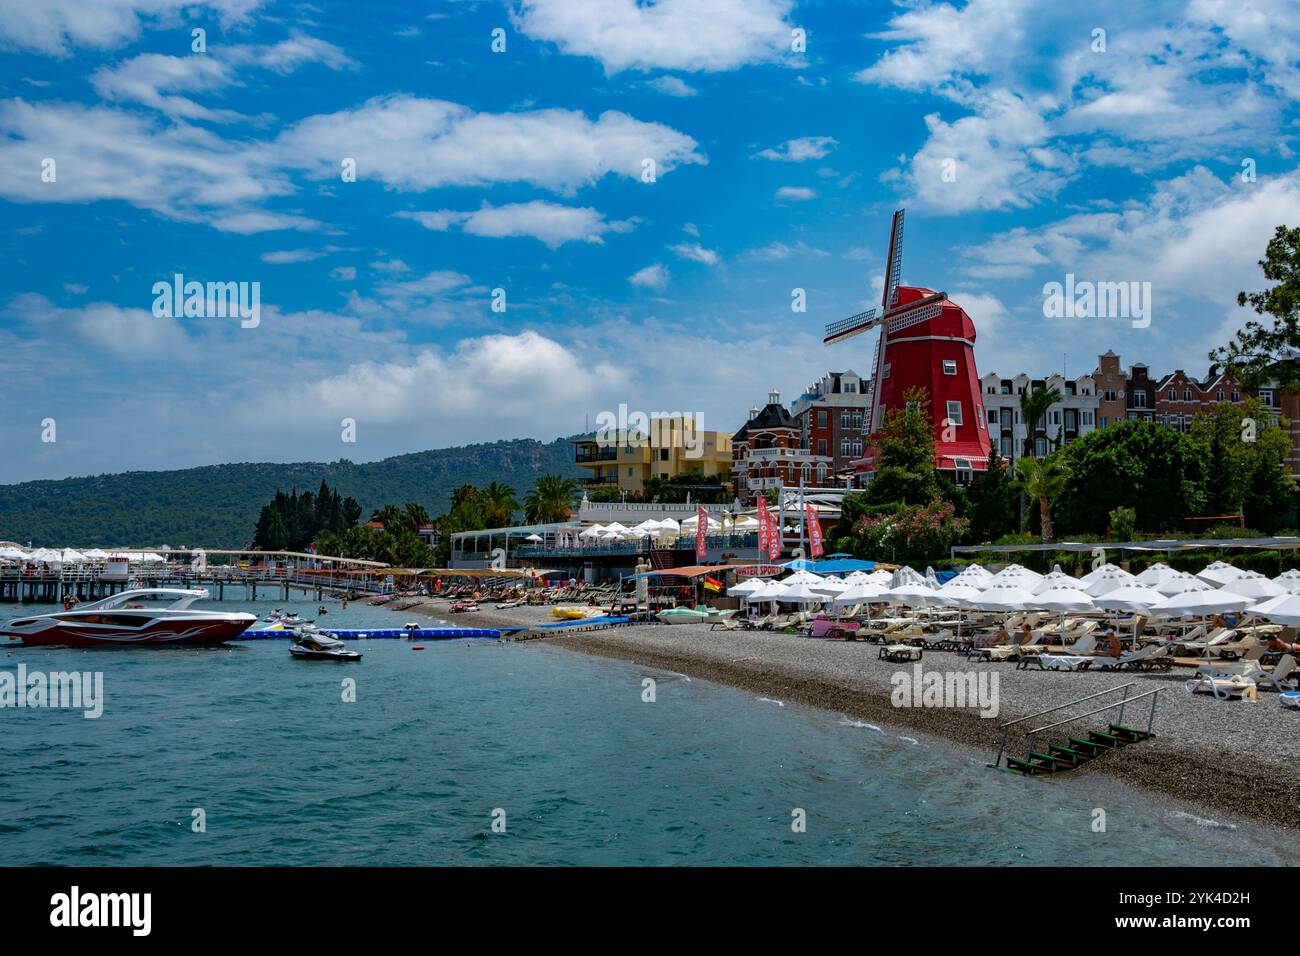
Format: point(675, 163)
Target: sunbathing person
point(1001, 637)
point(1112, 648)
point(1278, 646)
point(1026, 633)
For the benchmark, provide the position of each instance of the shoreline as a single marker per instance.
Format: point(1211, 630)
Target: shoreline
point(1201, 767)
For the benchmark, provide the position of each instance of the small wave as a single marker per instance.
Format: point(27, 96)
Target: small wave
point(860, 723)
point(910, 740)
point(769, 700)
point(1201, 821)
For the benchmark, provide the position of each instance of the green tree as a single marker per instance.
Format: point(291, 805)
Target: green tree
point(498, 505)
point(1260, 352)
point(1033, 410)
point(1043, 480)
point(1153, 469)
point(1245, 462)
point(993, 511)
point(905, 459)
point(550, 500)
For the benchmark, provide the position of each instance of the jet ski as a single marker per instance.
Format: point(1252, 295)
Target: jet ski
point(312, 644)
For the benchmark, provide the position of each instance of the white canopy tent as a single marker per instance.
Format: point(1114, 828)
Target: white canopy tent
point(1219, 573)
point(1254, 585)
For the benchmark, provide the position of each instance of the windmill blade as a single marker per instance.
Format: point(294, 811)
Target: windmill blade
point(853, 325)
point(894, 261)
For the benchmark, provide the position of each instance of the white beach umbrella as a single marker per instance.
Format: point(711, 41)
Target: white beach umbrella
point(1108, 577)
point(1254, 585)
point(931, 578)
point(1066, 600)
point(1219, 573)
point(830, 586)
point(1203, 602)
point(1288, 579)
point(1176, 582)
point(745, 588)
point(534, 537)
point(10, 553)
point(768, 591)
point(956, 594)
point(594, 531)
point(1128, 597)
point(914, 595)
point(1155, 574)
point(1004, 596)
point(47, 555)
point(1017, 574)
point(859, 593)
point(648, 525)
point(800, 593)
point(906, 575)
point(616, 526)
point(975, 574)
point(95, 554)
point(1057, 578)
point(802, 577)
point(1283, 609)
point(69, 556)
point(670, 524)
point(880, 576)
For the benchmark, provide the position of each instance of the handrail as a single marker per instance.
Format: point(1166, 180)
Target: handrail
point(1069, 703)
point(1119, 703)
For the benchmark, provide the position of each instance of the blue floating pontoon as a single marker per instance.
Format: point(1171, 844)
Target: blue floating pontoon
point(386, 633)
point(587, 622)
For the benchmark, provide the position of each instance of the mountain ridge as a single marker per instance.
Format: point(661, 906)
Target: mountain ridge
point(216, 505)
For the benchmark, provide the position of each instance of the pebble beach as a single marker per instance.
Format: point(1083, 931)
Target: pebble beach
point(1234, 758)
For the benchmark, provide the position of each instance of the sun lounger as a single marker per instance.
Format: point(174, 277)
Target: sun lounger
point(1056, 662)
point(1217, 638)
point(900, 653)
point(1149, 658)
point(1223, 687)
point(1274, 679)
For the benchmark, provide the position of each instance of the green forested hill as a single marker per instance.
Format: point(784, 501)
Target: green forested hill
point(217, 505)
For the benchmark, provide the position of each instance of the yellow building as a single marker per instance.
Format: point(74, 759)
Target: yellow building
point(626, 457)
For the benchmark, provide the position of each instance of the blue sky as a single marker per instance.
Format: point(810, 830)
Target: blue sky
point(522, 170)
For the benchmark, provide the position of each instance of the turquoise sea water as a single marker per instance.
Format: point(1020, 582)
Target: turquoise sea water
point(586, 772)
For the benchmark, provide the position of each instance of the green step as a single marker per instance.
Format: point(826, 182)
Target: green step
point(1103, 739)
point(1051, 759)
point(1078, 755)
point(1094, 748)
point(1016, 765)
point(1132, 732)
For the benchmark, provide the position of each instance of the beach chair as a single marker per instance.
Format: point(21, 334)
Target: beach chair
point(1216, 638)
point(1148, 658)
point(900, 653)
point(1273, 679)
point(1246, 649)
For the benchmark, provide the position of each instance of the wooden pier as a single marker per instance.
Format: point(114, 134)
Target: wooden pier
point(48, 587)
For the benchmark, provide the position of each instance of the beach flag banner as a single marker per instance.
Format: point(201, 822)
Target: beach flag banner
point(701, 531)
point(712, 584)
point(764, 527)
point(814, 532)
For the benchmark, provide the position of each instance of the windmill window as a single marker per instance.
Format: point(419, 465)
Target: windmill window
point(949, 367)
point(954, 413)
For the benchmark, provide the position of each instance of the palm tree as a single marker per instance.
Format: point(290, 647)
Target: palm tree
point(550, 499)
point(498, 504)
point(417, 514)
point(1033, 408)
point(1043, 479)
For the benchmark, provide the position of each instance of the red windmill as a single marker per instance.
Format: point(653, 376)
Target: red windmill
point(926, 341)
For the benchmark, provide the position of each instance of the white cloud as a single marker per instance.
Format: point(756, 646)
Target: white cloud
point(390, 266)
point(775, 251)
point(417, 144)
point(178, 171)
point(150, 77)
point(668, 34)
point(673, 86)
point(292, 256)
point(53, 27)
point(799, 150)
point(551, 223)
point(129, 334)
point(695, 252)
point(343, 273)
point(651, 277)
point(795, 194)
point(288, 55)
point(450, 385)
point(247, 223)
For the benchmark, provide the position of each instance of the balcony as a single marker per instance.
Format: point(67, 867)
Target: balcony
point(601, 480)
point(585, 455)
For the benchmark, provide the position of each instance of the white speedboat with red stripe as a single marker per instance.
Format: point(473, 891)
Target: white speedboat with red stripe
point(128, 620)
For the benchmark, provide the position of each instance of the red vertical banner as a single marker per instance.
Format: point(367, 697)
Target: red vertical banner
point(701, 531)
point(769, 535)
point(814, 532)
